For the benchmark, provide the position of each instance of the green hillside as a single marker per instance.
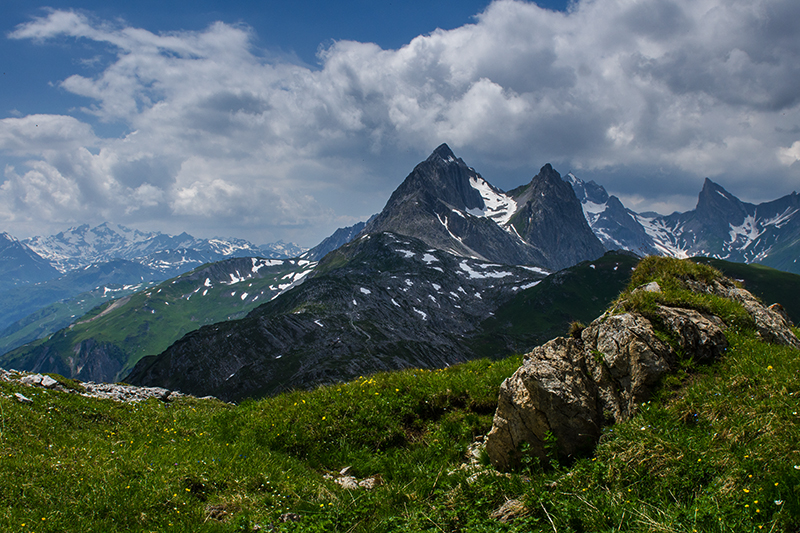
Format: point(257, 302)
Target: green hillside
point(715, 451)
point(54, 317)
point(535, 315)
point(148, 321)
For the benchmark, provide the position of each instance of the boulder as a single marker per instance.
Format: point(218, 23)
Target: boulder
point(551, 396)
point(567, 389)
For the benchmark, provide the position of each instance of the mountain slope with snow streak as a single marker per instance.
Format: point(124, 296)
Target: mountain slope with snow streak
point(448, 205)
point(105, 344)
point(383, 301)
point(721, 226)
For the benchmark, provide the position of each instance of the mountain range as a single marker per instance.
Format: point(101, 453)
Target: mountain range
point(449, 270)
point(721, 226)
point(46, 282)
point(83, 245)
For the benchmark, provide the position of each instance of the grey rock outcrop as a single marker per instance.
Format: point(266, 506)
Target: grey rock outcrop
point(118, 392)
point(567, 389)
point(772, 323)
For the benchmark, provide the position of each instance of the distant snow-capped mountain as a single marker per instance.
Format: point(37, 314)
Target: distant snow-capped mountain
point(720, 226)
point(20, 265)
point(84, 245)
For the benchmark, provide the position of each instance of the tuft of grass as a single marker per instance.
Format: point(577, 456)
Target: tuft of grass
point(576, 328)
point(672, 276)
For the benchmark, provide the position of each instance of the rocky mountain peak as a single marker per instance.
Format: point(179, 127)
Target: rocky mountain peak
point(451, 207)
point(715, 204)
point(550, 217)
point(443, 153)
point(587, 191)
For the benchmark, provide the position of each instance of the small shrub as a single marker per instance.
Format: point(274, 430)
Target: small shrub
point(576, 328)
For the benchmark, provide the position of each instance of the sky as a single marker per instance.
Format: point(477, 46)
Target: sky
point(272, 121)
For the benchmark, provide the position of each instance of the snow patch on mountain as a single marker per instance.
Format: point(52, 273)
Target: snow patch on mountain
point(497, 205)
point(664, 238)
point(748, 231)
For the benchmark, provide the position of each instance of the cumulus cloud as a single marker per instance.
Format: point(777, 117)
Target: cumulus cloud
point(626, 92)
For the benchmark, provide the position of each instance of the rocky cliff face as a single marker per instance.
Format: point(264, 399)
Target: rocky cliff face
point(451, 207)
point(549, 216)
point(568, 388)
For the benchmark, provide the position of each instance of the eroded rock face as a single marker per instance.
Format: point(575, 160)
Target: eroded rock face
point(551, 392)
point(569, 388)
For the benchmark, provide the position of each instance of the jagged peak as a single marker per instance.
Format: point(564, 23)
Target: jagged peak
point(712, 193)
point(444, 153)
point(547, 174)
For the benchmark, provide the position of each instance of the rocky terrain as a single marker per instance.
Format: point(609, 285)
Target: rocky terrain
point(382, 302)
point(569, 388)
point(117, 392)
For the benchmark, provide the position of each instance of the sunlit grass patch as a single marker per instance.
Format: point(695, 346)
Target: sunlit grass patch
point(717, 451)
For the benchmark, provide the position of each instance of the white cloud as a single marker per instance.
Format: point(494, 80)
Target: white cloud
point(790, 155)
point(628, 89)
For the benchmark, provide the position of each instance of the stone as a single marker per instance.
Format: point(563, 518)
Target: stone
point(48, 382)
point(566, 389)
point(21, 398)
point(289, 517)
point(351, 482)
point(626, 359)
point(549, 397)
point(510, 510)
point(31, 380)
point(370, 482)
point(653, 286)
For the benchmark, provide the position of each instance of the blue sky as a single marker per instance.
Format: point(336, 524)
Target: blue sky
point(268, 120)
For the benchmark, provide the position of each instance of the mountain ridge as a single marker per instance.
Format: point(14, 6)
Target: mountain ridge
point(82, 245)
point(721, 226)
point(448, 205)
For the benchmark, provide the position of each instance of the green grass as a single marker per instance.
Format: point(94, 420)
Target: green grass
point(715, 453)
point(149, 321)
point(716, 450)
point(672, 276)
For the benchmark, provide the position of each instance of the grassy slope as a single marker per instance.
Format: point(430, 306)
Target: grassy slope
point(59, 315)
point(716, 452)
point(154, 318)
point(535, 315)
